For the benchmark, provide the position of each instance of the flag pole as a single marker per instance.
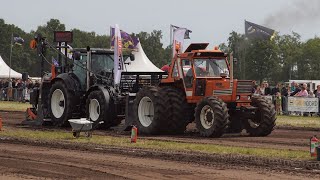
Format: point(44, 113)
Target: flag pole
point(171, 39)
point(11, 45)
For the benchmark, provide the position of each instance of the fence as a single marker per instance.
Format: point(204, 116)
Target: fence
point(15, 94)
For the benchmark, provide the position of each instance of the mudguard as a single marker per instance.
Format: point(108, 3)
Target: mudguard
point(71, 81)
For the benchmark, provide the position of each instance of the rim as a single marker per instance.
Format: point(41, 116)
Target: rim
point(145, 111)
point(94, 109)
point(206, 117)
point(57, 103)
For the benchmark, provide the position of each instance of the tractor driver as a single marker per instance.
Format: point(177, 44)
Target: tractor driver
point(200, 72)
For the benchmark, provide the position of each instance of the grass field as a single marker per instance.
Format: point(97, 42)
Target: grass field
point(156, 144)
point(298, 121)
point(13, 106)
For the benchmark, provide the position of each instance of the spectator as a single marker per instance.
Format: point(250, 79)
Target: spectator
point(284, 94)
point(278, 103)
point(267, 90)
point(302, 93)
point(276, 89)
point(317, 94)
point(258, 91)
point(262, 88)
point(165, 68)
point(296, 89)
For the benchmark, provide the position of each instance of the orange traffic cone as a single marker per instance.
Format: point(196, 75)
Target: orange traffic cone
point(0, 123)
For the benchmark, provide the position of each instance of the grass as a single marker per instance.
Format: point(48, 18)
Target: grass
point(298, 121)
point(156, 144)
point(13, 106)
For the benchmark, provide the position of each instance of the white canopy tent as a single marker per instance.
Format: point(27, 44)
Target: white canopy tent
point(4, 71)
point(141, 62)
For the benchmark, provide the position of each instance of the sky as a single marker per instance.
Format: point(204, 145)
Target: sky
point(210, 20)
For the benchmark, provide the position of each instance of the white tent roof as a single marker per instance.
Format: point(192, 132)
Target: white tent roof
point(141, 62)
point(4, 71)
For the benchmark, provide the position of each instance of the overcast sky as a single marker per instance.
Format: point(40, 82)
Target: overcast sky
point(210, 20)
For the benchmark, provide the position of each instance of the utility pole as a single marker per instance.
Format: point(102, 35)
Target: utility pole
point(11, 45)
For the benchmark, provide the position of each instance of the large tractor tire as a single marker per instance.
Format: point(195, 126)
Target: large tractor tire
point(212, 117)
point(178, 114)
point(265, 118)
point(99, 110)
point(61, 104)
point(150, 110)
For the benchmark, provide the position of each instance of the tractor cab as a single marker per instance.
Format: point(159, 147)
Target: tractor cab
point(204, 73)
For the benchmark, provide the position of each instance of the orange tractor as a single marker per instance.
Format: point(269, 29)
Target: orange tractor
point(201, 88)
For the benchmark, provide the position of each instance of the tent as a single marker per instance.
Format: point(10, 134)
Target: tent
point(4, 71)
point(141, 62)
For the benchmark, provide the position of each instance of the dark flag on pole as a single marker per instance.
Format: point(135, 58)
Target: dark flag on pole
point(17, 39)
point(255, 31)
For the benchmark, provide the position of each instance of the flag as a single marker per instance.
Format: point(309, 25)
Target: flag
point(129, 42)
point(179, 34)
point(55, 62)
point(118, 59)
point(17, 39)
point(187, 33)
point(255, 31)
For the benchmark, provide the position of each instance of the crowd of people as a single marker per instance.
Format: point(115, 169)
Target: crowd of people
point(16, 89)
point(281, 92)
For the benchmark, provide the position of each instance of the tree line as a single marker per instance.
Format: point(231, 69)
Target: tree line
point(278, 60)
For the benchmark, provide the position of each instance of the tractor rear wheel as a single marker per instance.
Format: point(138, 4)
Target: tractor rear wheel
point(178, 115)
point(212, 117)
point(150, 110)
point(99, 110)
point(61, 104)
point(265, 118)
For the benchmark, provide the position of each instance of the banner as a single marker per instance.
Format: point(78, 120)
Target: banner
point(301, 104)
point(118, 59)
point(17, 39)
point(256, 31)
point(129, 42)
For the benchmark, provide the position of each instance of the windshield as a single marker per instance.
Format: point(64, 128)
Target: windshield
point(210, 67)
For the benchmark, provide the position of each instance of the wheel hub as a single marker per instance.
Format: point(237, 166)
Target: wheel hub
point(94, 109)
point(146, 111)
point(206, 117)
point(57, 103)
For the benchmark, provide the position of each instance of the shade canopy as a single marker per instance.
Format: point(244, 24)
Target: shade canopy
point(5, 70)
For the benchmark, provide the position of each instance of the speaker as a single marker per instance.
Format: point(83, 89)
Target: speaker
point(24, 76)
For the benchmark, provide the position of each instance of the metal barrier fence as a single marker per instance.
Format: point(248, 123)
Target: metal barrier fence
point(15, 94)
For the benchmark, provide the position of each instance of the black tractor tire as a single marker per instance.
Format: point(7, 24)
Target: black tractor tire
point(265, 118)
point(216, 111)
point(150, 110)
point(68, 103)
point(103, 112)
point(178, 115)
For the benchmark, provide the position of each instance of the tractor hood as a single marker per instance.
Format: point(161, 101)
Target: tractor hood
point(141, 62)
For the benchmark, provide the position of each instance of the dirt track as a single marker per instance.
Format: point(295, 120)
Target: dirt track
point(18, 161)
point(25, 161)
point(279, 139)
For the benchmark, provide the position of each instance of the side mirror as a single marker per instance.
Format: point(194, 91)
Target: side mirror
point(223, 75)
point(235, 60)
point(132, 58)
point(76, 55)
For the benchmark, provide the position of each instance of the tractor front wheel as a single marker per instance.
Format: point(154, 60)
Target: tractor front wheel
point(212, 117)
point(264, 120)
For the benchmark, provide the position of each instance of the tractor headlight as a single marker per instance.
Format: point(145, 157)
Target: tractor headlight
point(238, 97)
point(249, 97)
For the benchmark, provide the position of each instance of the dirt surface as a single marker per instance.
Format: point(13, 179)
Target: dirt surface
point(25, 159)
point(294, 139)
point(19, 161)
